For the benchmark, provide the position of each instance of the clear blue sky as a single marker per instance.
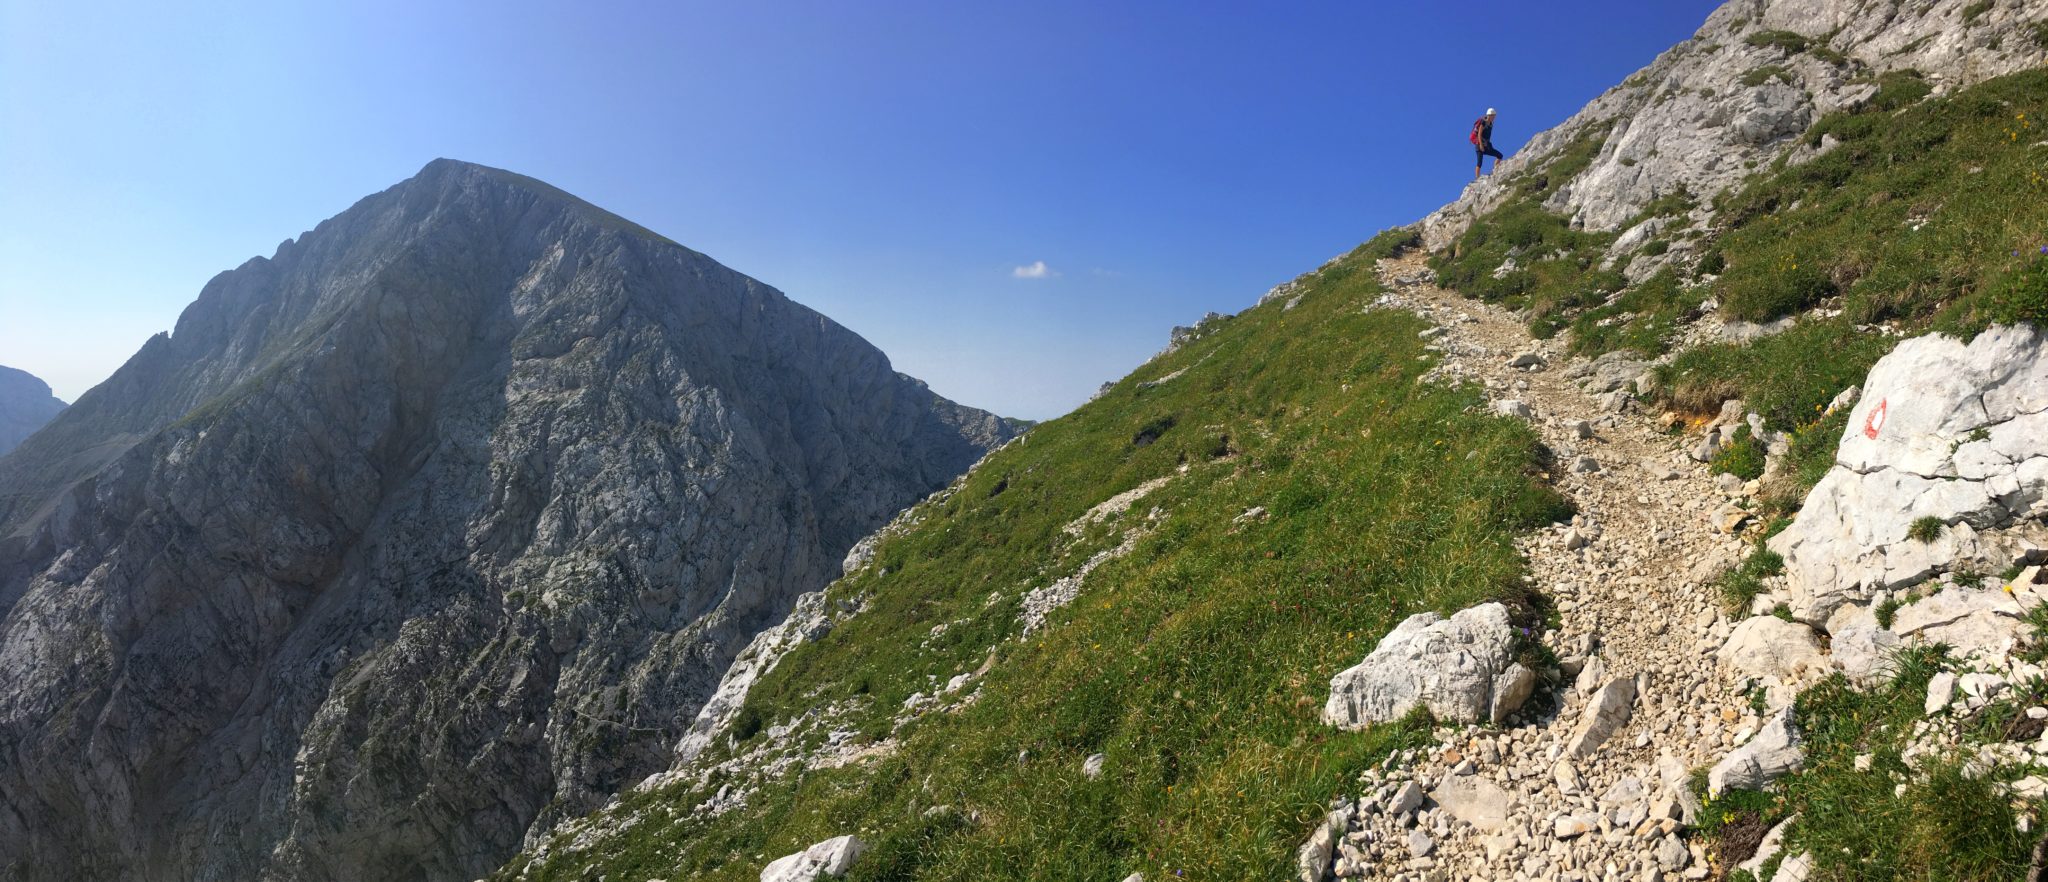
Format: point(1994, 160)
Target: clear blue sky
point(891, 164)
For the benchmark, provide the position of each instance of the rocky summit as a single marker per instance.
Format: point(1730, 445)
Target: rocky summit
point(25, 405)
point(431, 529)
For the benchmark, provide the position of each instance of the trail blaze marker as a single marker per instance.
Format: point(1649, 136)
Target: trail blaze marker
point(1874, 423)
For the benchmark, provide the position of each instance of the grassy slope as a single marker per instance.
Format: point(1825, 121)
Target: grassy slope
point(1198, 663)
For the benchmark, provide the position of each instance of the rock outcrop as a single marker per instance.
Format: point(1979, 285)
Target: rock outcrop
point(1709, 111)
point(1462, 668)
point(831, 858)
point(1944, 462)
point(435, 527)
point(25, 405)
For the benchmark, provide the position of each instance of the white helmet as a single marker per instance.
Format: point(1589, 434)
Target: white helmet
point(1489, 111)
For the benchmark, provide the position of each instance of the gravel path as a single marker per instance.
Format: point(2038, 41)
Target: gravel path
point(1631, 579)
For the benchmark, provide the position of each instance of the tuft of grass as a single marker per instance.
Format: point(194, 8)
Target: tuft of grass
point(1197, 663)
point(1764, 74)
point(1925, 529)
point(1742, 583)
point(1973, 11)
point(1743, 458)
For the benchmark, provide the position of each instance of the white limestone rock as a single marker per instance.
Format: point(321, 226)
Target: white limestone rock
point(1766, 646)
point(1474, 800)
point(832, 857)
point(1462, 669)
point(1771, 754)
point(1606, 713)
point(1944, 429)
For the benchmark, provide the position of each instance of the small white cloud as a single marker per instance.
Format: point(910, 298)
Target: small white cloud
point(1033, 270)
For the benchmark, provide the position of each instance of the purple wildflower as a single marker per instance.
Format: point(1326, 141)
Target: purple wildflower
point(2044, 249)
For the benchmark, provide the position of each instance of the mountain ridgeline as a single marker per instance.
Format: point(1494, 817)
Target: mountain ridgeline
point(430, 530)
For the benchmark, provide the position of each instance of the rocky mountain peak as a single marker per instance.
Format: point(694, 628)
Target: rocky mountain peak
point(437, 524)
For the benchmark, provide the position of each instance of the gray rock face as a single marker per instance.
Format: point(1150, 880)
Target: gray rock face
point(1701, 117)
point(1953, 431)
point(1456, 667)
point(25, 405)
point(435, 527)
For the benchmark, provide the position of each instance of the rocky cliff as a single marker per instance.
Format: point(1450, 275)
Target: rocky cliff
point(25, 405)
point(1708, 112)
point(434, 527)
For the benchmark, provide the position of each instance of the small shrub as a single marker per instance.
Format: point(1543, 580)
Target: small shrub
point(1713, 263)
point(1763, 75)
point(1783, 41)
point(2041, 33)
point(1925, 529)
point(1656, 247)
point(1975, 10)
point(1743, 459)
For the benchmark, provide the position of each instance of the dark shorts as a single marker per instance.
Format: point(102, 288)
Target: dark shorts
point(1486, 150)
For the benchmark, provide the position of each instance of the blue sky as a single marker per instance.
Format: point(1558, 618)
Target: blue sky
point(891, 164)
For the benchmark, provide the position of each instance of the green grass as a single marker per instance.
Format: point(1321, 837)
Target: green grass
point(1743, 582)
point(1974, 10)
point(1783, 41)
point(1925, 529)
point(1787, 377)
point(1644, 318)
point(1743, 458)
point(1913, 215)
point(1764, 74)
point(1198, 663)
point(1945, 825)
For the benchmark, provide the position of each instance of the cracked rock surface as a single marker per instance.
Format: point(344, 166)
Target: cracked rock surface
point(1948, 430)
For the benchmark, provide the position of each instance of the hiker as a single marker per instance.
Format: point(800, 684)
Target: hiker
point(1482, 141)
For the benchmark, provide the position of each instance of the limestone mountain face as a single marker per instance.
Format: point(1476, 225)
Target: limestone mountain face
point(1710, 111)
point(433, 528)
point(25, 405)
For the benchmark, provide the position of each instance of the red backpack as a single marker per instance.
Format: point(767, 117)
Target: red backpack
point(1478, 125)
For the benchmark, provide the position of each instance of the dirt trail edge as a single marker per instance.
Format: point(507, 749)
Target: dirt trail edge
point(1631, 579)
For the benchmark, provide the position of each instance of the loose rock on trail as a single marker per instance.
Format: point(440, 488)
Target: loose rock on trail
point(1594, 772)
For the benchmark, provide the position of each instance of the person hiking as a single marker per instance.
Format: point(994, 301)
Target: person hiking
point(1482, 141)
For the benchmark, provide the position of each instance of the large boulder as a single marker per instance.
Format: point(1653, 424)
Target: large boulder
point(1462, 669)
point(833, 857)
point(1947, 430)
